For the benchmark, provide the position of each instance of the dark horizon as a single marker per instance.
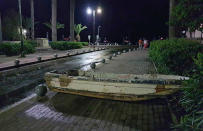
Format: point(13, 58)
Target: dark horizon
point(135, 19)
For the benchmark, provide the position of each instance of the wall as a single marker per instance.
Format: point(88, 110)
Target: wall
point(196, 34)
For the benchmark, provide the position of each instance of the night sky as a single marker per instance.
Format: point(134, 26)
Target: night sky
point(133, 18)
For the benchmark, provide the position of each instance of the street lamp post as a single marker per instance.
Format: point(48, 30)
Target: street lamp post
point(93, 12)
point(94, 21)
point(21, 28)
point(98, 30)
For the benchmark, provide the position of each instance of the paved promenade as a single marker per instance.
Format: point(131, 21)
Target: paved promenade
point(63, 112)
point(44, 54)
point(134, 62)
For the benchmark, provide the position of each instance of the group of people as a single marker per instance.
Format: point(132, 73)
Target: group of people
point(143, 44)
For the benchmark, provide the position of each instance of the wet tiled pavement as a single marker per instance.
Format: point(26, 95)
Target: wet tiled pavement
point(134, 62)
point(45, 55)
point(64, 112)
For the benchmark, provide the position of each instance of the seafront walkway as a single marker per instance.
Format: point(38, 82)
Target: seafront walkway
point(64, 112)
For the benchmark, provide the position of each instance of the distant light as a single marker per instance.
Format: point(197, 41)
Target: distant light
point(99, 10)
point(24, 31)
point(89, 11)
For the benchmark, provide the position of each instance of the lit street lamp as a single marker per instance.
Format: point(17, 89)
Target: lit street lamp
point(93, 12)
point(89, 11)
point(24, 32)
point(183, 32)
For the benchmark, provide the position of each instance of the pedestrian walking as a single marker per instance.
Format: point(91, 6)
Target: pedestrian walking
point(145, 44)
point(140, 42)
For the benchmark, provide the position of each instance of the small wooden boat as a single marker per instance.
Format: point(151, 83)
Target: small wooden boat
point(123, 87)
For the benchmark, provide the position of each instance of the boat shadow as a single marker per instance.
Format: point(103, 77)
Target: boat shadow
point(144, 115)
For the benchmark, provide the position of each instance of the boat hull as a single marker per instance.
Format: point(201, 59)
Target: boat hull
point(122, 91)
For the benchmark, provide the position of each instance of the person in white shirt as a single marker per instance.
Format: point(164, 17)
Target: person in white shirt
point(145, 44)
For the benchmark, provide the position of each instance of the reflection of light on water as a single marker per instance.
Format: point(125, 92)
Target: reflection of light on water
point(86, 68)
point(87, 59)
point(83, 61)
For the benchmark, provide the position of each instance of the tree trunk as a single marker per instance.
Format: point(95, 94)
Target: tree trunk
point(78, 38)
point(32, 20)
point(72, 22)
point(54, 20)
point(190, 35)
point(171, 28)
point(0, 29)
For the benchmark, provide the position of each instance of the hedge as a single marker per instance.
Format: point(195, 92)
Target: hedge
point(32, 42)
point(191, 100)
point(83, 43)
point(174, 56)
point(64, 45)
point(11, 49)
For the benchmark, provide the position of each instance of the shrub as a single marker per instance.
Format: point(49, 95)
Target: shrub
point(32, 42)
point(28, 48)
point(84, 43)
point(191, 100)
point(64, 45)
point(174, 56)
point(11, 49)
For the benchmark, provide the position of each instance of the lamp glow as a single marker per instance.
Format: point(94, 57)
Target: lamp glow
point(24, 31)
point(89, 11)
point(99, 10)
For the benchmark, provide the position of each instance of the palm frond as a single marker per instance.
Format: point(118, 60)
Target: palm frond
point(78, 28)
point(58, 25)
point(47, 25)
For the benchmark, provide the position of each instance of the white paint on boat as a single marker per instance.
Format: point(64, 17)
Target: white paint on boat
point(106, 87)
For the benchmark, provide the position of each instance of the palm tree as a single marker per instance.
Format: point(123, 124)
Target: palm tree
point(53, 20)
point(32, 20)
point(72, 11)
point(171, 28)
point(0, 29)
point(58, 25)
point(78, 28)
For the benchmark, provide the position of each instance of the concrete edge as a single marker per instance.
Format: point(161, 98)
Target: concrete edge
point(46, 60)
